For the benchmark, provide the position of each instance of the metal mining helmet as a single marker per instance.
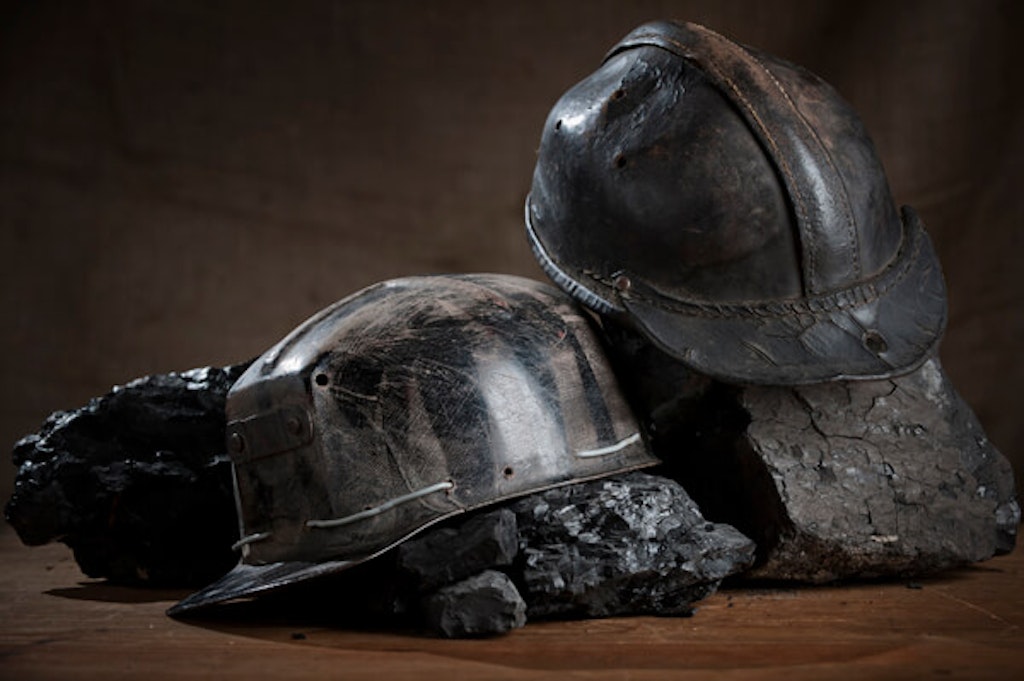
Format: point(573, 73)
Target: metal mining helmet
point(408, 402)
point(730, 207)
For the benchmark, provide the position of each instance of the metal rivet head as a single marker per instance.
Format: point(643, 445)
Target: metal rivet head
point(874, 342)
point(294, 425)
point(622, 283)
point(236, 443)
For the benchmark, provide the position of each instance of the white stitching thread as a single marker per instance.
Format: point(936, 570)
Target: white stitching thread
point(610, 449)
point(377, 510)
point(250, 539)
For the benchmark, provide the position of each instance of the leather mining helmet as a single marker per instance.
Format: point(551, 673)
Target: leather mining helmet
point(731, 208)
point(408, 402)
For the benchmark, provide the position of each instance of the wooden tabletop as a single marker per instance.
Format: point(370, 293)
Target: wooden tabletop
point(56, 624)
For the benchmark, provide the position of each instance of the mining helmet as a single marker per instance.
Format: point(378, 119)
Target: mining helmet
point(731, 208)
point(408, 402)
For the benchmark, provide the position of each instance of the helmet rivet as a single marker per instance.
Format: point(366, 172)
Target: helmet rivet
point(294, 425)
point(236, 443)
point(622, 283)
point(874, 342)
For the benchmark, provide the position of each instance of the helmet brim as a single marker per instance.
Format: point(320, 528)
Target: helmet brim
point(884, 327)
point(249, 580)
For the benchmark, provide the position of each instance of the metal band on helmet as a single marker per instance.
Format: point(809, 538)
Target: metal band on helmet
point(404, 404)
point(731, 207)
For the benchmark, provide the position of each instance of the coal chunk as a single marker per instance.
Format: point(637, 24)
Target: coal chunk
point(136, 482)
point(483, 605)
point(456, 551)
point(631, 544)
point(625, 545)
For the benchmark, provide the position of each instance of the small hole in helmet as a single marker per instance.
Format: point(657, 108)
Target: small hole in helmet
point(619, 161)
point(619, 94)
point(558, 124)
point(508, 472)
point(321, 379)
point(236, 443)
point(874, 342)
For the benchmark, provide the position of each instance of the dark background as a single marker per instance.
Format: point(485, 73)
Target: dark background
point(181, 183)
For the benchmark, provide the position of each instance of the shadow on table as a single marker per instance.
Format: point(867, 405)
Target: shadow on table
point(106, 592)
point(748, 626)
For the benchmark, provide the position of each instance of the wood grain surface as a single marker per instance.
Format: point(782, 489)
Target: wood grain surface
point(967, 624)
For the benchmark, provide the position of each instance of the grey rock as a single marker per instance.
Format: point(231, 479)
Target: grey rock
point(632, 544)
point(136, 482)
point(888, 478)
point(879, 478)
point(483, 605)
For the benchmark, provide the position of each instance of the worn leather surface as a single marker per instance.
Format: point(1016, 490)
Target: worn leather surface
point(732, 207)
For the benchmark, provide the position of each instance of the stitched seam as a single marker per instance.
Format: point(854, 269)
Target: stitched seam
point(821, 306)
point(851, 234)
point(796, 193)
